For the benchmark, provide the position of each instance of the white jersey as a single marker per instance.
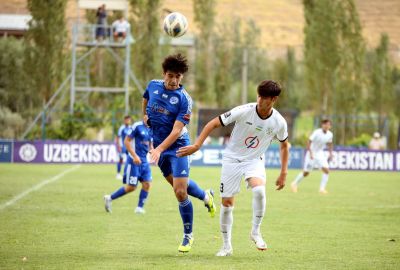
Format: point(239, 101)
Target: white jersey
point(252, 135)
point(121, 26)
point(319, 139)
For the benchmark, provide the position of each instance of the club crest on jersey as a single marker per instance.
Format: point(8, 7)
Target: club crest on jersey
point(269, 131)
point(173, 100)
point(252, 142)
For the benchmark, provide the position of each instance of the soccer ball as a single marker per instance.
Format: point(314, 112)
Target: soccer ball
point(175, 24)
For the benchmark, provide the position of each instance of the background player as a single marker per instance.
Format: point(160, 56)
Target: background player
point(167, 109)
point(138, 142)
point(256, 125)
point(123, 129)
point(315, 156)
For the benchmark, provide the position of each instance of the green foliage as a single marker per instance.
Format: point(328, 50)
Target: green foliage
point(334, 54)
point(360, 141)
point(11, 123)
point(73, 126)
point(145, 23)
point(204, 17)
point(14, 91)
point(46, 41)
point(381, 95)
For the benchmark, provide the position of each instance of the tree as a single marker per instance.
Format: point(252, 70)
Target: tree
point(146, 27)
point(381, 94)
point(204, 17)
point(46, 41)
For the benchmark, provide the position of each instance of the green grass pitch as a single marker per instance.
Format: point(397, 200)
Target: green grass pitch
point(63, 225)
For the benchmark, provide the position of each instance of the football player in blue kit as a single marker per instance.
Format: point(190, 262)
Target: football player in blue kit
point(123, 129)
point(138, 142)
point(167, 109)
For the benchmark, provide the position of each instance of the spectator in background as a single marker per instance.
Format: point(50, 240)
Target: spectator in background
point(101, 23)
point(120, 27)
point(376, 142)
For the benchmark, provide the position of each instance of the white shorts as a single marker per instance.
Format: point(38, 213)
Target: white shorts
point(319, 161)
point(233, 171)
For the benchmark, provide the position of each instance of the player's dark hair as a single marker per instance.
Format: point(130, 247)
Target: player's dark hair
point(269, 88)
point(324, 121)
point(176, 63)
point(127, 117)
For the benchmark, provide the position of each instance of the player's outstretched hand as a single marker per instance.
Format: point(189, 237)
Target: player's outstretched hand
point(154, 155)
point(280, 182)
point(187, 150)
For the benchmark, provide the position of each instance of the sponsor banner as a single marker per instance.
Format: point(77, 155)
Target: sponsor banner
point(6, 151)
point(365, 160)
point(212, 156)
point(65, 152)
point(106, 152)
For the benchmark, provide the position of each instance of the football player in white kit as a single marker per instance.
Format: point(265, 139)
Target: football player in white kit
point(256, 125)
point(315, 156)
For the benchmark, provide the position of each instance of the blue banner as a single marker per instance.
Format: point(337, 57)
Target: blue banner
point(212, 156)
point(6, 151)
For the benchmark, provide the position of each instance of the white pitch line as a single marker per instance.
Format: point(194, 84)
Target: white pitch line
point(37, 187)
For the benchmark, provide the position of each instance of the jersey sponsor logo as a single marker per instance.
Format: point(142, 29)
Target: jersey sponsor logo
point(249, 123)
point(227, 114)
point(27, 152)
point(252, 142)
point(173, 100)
point(157, 108)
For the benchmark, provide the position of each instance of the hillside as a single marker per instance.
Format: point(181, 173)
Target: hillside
point(281, 21)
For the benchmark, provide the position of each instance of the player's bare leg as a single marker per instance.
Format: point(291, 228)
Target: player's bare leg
point(324, 181)
point(226, 221)
point(259, 201)
point(297, 180)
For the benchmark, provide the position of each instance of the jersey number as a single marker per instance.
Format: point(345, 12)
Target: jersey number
point(133, 180)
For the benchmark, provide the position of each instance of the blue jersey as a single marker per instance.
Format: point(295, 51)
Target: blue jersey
point(164, 107)
point(122, 131)
point(141, 139)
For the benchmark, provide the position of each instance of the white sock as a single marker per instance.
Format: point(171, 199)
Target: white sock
point(206, 199)
point(324, 181)
point(298, 179)
point(226, 221)
point(259, 202)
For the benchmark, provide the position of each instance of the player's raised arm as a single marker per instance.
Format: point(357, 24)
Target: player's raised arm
point(209, 127)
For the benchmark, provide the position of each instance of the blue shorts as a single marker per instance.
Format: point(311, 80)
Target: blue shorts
point(134, 173)
point(169, 163)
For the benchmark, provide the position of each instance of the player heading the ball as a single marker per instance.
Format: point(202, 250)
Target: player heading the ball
point(256, 125)
point(167, 109)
